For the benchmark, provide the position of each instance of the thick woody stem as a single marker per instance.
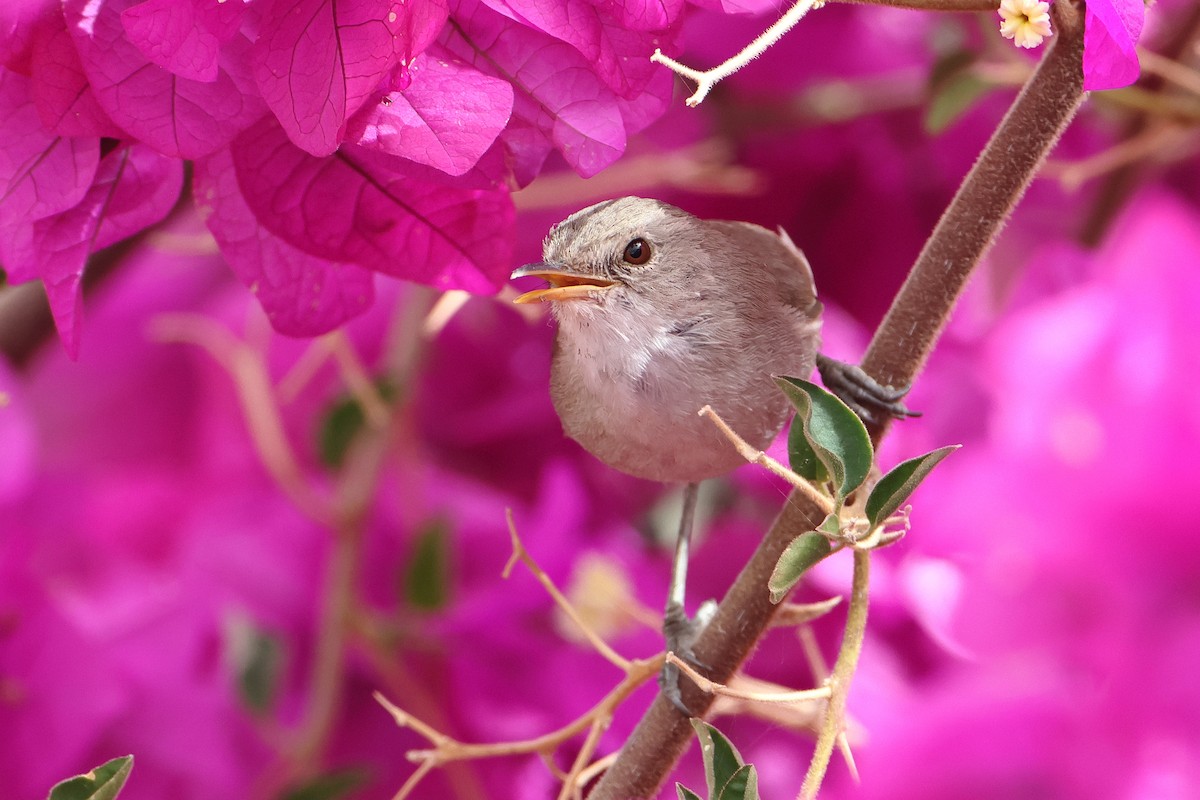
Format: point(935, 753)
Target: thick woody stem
point(984, 202)
point(896, 355)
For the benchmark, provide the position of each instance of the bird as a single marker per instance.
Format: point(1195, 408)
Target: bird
point(660, 313)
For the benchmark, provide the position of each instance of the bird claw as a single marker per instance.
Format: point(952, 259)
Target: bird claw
point(681, 633)
point(865, 396)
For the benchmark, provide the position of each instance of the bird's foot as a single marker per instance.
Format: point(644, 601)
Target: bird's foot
point(681, 633)
point(865, 396)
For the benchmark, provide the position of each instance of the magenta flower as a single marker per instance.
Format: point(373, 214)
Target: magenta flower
point(1111, 32)
point(61, 201)
point(317, 62)
point(1026, 639)
point(331, 140)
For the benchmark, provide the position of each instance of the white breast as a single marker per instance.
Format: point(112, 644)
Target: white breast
point(630, 393)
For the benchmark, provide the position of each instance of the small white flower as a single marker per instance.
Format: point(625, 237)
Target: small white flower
point(1026, 22)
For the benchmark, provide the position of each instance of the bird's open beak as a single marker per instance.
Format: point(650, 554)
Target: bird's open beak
point(564, 285)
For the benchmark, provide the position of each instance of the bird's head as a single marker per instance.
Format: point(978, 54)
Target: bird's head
point(618, 247)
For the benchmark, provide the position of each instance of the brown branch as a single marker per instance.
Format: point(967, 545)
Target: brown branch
point(984, 202)
point(896, 355)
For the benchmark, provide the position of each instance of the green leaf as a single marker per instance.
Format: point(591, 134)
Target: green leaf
point(832, 444)
point(952, 99)
point(258, 682)
point(721, 758)
point(804, 551)
point(341, 425)
point(802, 458)
point(329, 786)
point(896, 486)
point(831, 526)
point(953, 90)
point(256, 659)
point(685, 793)
point(427, 579)
point(951, 62)
point(742, 785)
point(102, 783)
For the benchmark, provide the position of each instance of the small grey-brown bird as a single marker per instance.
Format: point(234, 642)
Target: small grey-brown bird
point(659, 314)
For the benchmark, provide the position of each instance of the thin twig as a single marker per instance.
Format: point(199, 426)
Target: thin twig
point(519, 553)
point(405, 720)
point(712, 687)
point(358, 380)
point(843, 672)
point(591, 771)
point(708, 78)
point(382, 655)
point(1152, 144)
point(248, 371)
point(550, 764)
point(599, 726)
point(448, 749)
point(413, 780)
point(304, 370)
point(444, 309)
point(1170, 70)
point(794, 614)
point(813, 654)
point(754, 456)
point(820, 671)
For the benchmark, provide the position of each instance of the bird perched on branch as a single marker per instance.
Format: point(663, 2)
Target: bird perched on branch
point(659, 314)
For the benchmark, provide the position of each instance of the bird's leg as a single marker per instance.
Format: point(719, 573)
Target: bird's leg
point(862, 393)
point(680, 631)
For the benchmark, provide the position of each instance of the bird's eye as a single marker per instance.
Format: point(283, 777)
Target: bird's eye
point(637, 252)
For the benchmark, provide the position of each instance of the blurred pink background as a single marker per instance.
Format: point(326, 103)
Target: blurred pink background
point(1036, 634)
